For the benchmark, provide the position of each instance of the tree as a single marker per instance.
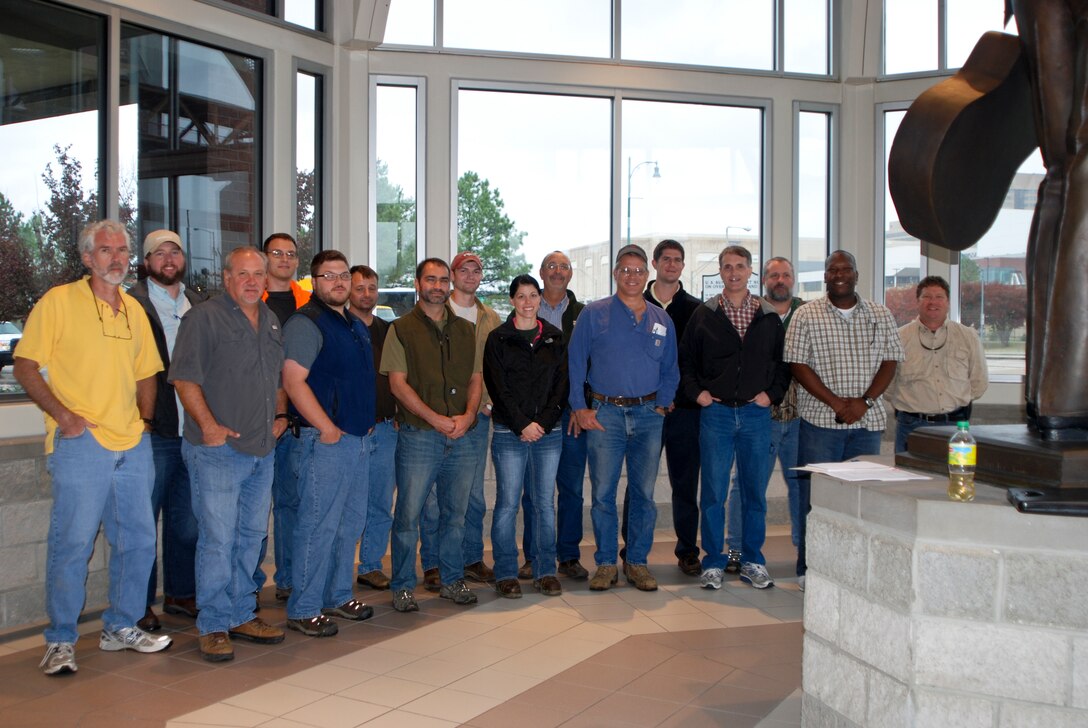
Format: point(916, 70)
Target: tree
point(305, 205)
point(1005, 305)
point(902, 302)
point(67, 213)
point(18, 288)
point(484, 229)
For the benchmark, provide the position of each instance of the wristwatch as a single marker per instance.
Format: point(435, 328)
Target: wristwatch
point(869, 402)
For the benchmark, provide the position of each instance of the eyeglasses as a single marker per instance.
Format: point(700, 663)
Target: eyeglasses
point(626, 271)
point(124, 312)
point(289, 254)
point(558, 266)
point(330, 277)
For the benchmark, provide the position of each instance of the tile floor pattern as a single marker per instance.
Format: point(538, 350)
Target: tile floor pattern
point(680, 656)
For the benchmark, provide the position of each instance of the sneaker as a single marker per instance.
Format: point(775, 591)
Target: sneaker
point(573, 569)
point(801, 582)
point(216, 647)
point(132, 638)
point(404, 601)
point(259, 631)
point(712, 578)
point(733, 567)
point(479, 572)
point(690, 564)
point(526, 570)
point(508, 588)
point(640, 576)
point(283, 593)
point(319, 626)
point(60, 658)
point(549, 586)
point(432, 580)
point(374, 579)
point(457, 592)
point(605, 578)
point(352, 609)
point(756, 575)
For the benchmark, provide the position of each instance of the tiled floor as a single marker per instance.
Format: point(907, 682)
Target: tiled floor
point(680, 656)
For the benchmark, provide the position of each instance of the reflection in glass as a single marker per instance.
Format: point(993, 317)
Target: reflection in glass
point(198, 144)
point(395, 191)
point(813, 185)
point(709, 193)
point(910, 35)
point(806, 37)
point(410, 22)
point(50, 96)
point(722, 33)
point(531, 187)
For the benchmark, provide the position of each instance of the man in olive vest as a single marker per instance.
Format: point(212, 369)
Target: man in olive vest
point(433, 365)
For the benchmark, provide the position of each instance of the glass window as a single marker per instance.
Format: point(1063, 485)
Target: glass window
point(910, 35)
point(967, 20)
point(410, 22)
point(693, 173)
point(561, 27)
point(306, 13)
point(50, 98)
point(526, 189)
point(309, 93)
point(192, 111)
point(902, 251)
point(806, 34)
point(813, 193)
point(723, 33)
point(395, 185)
point(993, 275)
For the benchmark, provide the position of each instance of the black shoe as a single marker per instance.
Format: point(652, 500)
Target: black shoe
point(690, 564)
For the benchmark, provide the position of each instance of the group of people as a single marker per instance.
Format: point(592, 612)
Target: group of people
point(358, 432)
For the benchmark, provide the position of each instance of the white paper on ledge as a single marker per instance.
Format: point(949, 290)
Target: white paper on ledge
point(858, 470)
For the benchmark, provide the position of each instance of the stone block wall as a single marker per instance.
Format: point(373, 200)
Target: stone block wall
point(924, 612)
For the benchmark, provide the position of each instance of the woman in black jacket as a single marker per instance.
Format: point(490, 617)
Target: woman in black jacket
point(525, 369)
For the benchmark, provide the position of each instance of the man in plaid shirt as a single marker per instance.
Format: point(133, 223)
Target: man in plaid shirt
point(843, 351)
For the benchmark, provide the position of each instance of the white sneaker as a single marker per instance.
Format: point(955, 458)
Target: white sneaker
point(712, 578)
point(801, 582)
point(756, 575)
point(60, 657)
point(132, 638)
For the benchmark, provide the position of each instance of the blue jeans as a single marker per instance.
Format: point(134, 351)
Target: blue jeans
point(474, 517)
point(570, 479)
point(826, 445)
point(92, 486)
point(743, 433)
point(784, 444)
point(632, 434)
point(426, 461)
point(173, 498)
point(379, 502)
point(333, 484)
point(519, 467)
point(232, 492)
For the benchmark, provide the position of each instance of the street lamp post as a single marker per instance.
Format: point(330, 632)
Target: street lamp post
point(630, 173)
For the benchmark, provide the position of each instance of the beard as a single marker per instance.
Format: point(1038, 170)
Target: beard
point(167, 280)
point(779, 294)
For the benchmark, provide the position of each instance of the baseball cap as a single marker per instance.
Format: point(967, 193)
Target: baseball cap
point(631, 250)
point(463, 257)
point(155, 238)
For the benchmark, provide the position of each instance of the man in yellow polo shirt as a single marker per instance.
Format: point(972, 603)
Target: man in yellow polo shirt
point(98, 395)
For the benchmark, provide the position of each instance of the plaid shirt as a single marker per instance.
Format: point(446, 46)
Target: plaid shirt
point(845, 353)
point(740, 316)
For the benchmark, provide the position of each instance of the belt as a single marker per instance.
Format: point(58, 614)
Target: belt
point(962, 413)
point(624, 401)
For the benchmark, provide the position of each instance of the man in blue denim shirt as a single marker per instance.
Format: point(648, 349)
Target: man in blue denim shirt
point(633, 378)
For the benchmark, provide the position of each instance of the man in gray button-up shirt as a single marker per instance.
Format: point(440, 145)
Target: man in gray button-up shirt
point(226, 369)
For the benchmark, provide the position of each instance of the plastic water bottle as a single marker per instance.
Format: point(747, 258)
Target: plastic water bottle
point(962, 454)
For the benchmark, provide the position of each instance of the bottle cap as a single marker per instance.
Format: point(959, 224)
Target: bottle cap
point(963, 423)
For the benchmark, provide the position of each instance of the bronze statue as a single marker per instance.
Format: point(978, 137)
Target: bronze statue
point(942, 146)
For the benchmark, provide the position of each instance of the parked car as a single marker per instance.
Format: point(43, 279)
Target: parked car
point(10, 333)
point(385, 313)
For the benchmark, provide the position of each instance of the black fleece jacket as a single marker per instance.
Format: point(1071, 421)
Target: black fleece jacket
point(527, 382)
